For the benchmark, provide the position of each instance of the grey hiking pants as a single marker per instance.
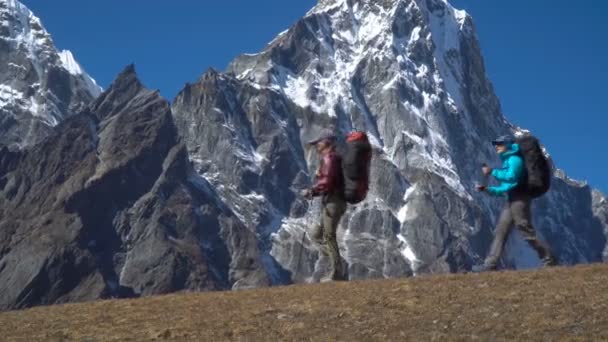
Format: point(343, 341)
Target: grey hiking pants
point(333, 209)
point(517, 212)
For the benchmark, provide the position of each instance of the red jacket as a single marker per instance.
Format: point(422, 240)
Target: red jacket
point(329, 179)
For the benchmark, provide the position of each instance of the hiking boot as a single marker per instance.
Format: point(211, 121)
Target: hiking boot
point(331, 278)
point(334, 275)
point(549, 261)
point(483, 268)
point(327, 279)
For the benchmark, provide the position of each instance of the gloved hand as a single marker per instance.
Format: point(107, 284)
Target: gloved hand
point(481, 188)
point(306, 193)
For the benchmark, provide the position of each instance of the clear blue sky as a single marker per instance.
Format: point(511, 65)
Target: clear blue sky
point(547, 58)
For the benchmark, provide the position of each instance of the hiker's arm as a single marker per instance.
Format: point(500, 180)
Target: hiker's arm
point(509, 177)
point(325, 179)
point(512, 173)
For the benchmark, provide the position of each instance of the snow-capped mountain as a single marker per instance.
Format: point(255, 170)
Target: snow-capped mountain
point(411, 74)
point(107, 204)
point(39, 85)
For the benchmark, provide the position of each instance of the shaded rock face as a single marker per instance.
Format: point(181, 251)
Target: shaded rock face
point(410, 73)
point(39, 85)
point(109, 206)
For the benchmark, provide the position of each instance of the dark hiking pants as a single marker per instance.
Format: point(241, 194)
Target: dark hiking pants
point(517, 212)
point(334, 207)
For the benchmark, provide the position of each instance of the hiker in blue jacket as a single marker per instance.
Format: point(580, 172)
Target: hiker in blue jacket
point(517, 210)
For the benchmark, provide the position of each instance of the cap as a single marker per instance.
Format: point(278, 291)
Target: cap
point(328, 136)
point(503, 140)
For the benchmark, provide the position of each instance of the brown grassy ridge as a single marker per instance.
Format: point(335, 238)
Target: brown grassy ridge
point(562, 303)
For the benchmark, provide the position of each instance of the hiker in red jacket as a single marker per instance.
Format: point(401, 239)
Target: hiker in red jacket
point(330, 186)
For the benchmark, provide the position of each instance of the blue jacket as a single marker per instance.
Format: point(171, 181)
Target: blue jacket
point(512, 172)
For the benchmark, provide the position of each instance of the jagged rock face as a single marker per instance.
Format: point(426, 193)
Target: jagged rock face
point(410, 73)
point(39, 86)
point(108, 205)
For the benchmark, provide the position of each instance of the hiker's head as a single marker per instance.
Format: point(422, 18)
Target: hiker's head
point(325, 145)
point(503, 143)
point(324, 142)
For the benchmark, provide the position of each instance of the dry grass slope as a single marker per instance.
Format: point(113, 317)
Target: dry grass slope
point(553, 304)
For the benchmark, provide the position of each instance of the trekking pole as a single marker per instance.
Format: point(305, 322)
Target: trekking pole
point(309, 202)
point(486, 178)
point(298, 264)
point(301, 250)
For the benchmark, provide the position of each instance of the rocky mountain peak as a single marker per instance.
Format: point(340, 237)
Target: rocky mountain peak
point(22, 26)
point(39, 85)
point(108, 206)
point(125, 87)
point(411, 74)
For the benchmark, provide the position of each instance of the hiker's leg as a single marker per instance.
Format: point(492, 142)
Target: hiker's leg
point(317, 231)
point(522, 217)
point(503, 227)
point(333, 212)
